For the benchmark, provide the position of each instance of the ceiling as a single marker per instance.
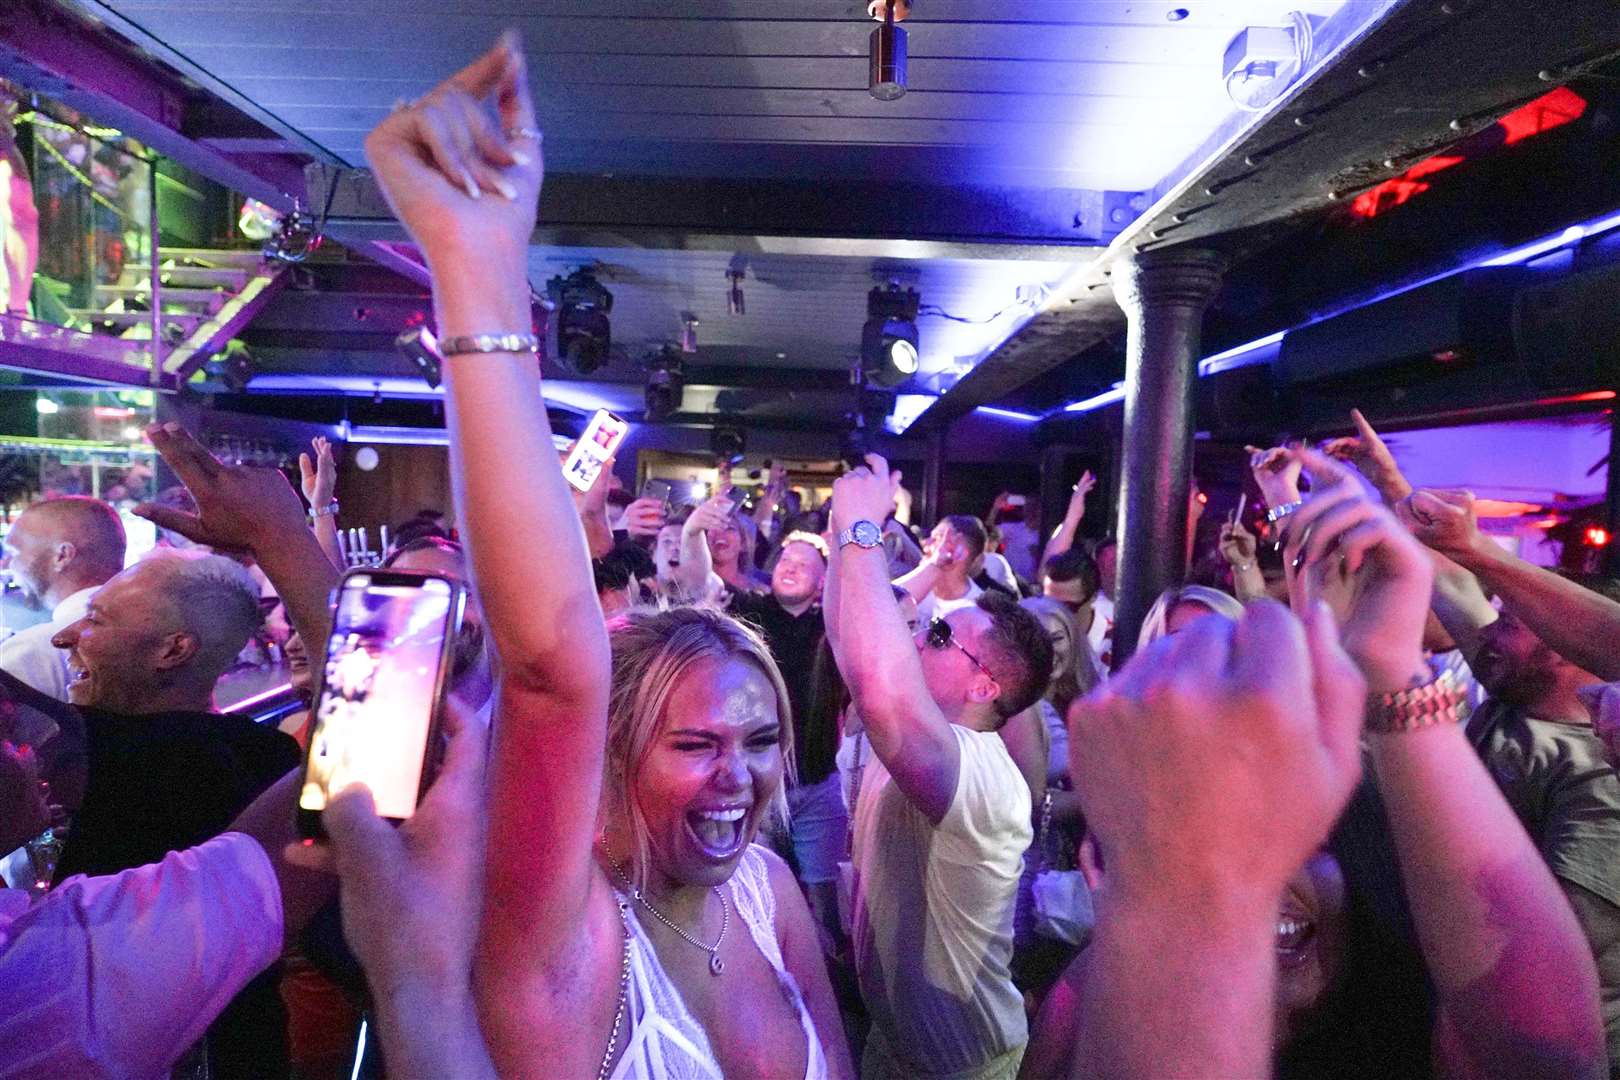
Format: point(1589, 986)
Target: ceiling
point(685, 139)
point(1092, 94)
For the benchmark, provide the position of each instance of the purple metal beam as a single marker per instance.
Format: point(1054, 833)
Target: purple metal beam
point(69, 354)
point(53, 53)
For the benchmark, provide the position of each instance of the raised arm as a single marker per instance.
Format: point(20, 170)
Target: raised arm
point(1180, 974)
point(1063, 539)
point(1575, 622)
point(466, 188)
point(697, 561)
point(1514, 975)
point(251, 510)
point(876, 655)
point(1368, 452)
point(318, 478)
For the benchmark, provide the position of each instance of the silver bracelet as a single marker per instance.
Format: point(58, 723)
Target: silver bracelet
point(1277, 513)
point(322, 511)
point(490, 343)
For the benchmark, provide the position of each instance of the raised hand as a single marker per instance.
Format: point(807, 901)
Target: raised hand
point(1238, 545)
point(1368, 452)
point(1277, 472)
point(1240, 706)
point(714, 514)
point(318, 477)
point(864, 494)
point(1077, 500)
point(1351, 554)
point(238, 506)
point(461, 166)
point(644, 517)
point(1444, 520)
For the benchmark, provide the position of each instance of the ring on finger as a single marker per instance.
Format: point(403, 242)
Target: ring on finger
point(516, 134)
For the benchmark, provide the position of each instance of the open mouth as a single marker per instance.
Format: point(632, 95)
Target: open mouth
point(1295, 933)
point(719, 834)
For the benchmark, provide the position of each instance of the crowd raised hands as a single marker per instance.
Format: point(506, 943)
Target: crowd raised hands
point(579, 892)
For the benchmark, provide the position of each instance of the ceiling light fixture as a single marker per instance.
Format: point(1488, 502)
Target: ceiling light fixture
point(889, 340)
point(666, 381)
point(888, 49)
point(578, 333)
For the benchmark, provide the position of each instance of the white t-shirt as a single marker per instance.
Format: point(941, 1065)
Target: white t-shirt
point(1102, 633)
point(933, 919)
point(117, 976)
point(30, 656)
point(931, 607)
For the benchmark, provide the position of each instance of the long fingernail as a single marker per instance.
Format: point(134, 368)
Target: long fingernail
point(471, 185)
point(506, 189)
point(519, 157)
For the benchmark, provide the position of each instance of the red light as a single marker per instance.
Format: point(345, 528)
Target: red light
point(108, 412)
point(1597, 536)
point(1552, 110)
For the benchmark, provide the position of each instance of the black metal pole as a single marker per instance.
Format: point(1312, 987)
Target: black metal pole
point(1164, 297)
point(933, 472)
point(1611, 509)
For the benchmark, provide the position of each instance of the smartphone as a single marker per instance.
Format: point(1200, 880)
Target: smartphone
point(658, 489)
point(601, 440)
point(379, 694)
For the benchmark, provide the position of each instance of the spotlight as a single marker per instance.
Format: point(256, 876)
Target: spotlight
point(888, 49)
point(577, 332)
point(293, 241)
point(665, 381)
point(728, 443)
point(421, 348)
point(233, 366)
point(889, 338)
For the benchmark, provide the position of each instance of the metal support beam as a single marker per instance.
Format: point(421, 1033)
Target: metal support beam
point(933, 476)
point(1164, 297)
point(1611, 515)
point(55, 54)
point(903, 220)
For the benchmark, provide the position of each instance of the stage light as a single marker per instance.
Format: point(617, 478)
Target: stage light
point(1597, 536)
point(728, 443)
point(889, 354)
point(666, 380)
point(578, 334)
point(887, 49)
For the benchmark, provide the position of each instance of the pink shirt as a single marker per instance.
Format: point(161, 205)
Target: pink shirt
point(117, 976)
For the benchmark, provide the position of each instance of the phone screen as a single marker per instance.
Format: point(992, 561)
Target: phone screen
point(380, 686)
point(600, 441)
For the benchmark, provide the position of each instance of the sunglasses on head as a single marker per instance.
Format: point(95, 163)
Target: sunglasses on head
point(939, 637)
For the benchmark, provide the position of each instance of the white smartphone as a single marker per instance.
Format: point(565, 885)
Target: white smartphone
point(382, 684)
point(601, 440)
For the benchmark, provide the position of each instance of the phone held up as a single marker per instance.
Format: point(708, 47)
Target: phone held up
point(379, 700)
point(599, 443)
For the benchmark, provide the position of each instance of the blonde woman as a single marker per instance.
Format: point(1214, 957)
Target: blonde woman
point(1178, 608)
point(630, 928)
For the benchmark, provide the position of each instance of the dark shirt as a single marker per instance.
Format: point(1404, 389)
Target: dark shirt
point(1555, 778)
point(794, 640)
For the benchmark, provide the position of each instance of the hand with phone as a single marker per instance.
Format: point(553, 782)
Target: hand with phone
point(381, 692)
point(410, 899)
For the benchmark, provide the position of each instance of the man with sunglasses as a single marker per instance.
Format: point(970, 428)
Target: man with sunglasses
point(944, 814)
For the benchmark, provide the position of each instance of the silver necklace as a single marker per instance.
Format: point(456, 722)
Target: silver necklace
point(716, 965)
point(624, 995)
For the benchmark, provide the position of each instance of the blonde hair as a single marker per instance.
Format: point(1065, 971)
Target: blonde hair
point(1157, 623)
point(652, 651)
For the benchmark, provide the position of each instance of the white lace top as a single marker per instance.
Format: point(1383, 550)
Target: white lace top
point(665, 1040)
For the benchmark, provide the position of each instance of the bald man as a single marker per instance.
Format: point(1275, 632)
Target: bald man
point(58, 552)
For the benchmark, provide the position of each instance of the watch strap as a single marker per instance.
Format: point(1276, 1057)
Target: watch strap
point(1438, 701)
point(848, 536)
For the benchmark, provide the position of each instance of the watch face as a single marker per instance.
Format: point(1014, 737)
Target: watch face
point(867, 534)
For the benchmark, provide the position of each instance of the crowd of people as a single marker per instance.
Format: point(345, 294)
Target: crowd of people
point(777, 793)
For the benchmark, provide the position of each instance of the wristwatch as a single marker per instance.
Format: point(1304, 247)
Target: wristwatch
point(861, 534)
